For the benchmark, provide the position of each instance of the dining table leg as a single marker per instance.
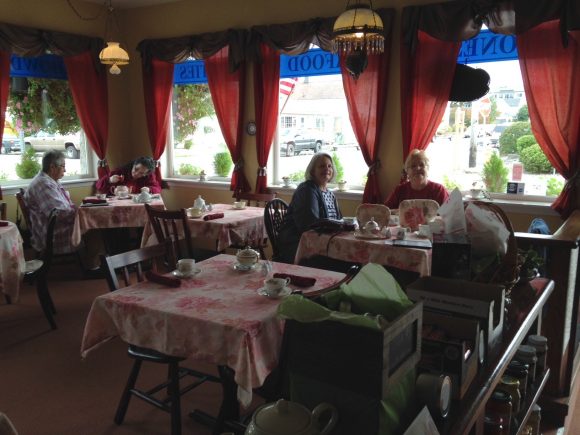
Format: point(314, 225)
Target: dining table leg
point(229, 413)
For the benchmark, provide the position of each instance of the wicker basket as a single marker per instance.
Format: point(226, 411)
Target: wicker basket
point(507, 271)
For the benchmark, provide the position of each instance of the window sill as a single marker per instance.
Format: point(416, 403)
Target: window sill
point(216, 184)
point(13, 188)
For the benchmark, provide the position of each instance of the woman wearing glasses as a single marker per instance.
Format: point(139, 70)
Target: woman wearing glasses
point(417, 185)
point(135, 175)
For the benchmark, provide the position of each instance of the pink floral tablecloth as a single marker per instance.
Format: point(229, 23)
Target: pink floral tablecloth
point(236, 227)
point(217, 317)
point(12, 262)
point(119, 213)
point(346, 247)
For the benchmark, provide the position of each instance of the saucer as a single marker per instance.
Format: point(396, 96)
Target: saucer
point(179, 274)
point(244, 268)
point(283, 293)
point(368, 236)
point(238, 208)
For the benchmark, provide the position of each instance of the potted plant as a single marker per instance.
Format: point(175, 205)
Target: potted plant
point(530, 262)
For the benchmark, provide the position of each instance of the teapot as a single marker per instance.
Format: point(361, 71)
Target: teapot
point(247, 256)
point(371, 226)
point(290, 418)
point(121, 191)
point(144, 196)
point(199, 203)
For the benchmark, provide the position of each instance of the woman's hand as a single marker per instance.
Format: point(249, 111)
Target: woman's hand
point(115, 179)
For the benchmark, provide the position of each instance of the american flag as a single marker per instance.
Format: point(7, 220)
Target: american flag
point(287, 85)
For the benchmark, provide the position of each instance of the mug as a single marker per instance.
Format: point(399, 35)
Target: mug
point(186, 265)
point(274, 286)
point(402, 233)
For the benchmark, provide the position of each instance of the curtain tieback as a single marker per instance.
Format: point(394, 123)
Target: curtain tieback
point(262, 171)
point(239, 165)
point(573, 181)
point(374, 167)
point(102, 163)
point(157, 163)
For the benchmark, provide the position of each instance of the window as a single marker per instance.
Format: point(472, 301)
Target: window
point(314, 117)
point(197, 141)
point(488, 143)
point(41, 116)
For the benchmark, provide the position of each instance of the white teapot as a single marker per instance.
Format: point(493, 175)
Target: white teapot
point(144, 196)
point(248, 256)
point(199, 203)
point(371, 227)
point(290, 418)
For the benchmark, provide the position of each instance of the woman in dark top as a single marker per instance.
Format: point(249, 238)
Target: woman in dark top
point(311, 202)
point(135, 175)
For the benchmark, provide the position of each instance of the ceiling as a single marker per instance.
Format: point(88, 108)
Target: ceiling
point(129, 4)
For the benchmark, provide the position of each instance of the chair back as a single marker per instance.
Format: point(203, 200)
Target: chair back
point(3, 211)
point(23, 207)
point(255, 199)
point(415, 212)
point(379, 212)
point(134, 262)
point(274, 213)
point(172, 225)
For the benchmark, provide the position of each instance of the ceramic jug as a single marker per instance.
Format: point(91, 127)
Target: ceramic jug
point(290, 418)
point(199, 203)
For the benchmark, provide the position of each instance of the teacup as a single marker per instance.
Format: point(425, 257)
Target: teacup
point(186, 266)
point(402, 232)
point(101, 196)
point(239, 204)
point(349, 220)
point(194, 212)
point(274, 286)
point(425, 231)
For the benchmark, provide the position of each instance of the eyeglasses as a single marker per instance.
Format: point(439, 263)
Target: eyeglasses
point(418, 166)
point(61, 166)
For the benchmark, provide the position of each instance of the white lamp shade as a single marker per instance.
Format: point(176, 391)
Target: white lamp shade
point(113, 54)
point(359, 19)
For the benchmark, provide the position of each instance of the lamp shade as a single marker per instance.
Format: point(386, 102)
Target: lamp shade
point(113, 54)
point(359, 27)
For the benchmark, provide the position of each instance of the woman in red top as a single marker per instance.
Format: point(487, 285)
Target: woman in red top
point(417, 185)
point(135, 175)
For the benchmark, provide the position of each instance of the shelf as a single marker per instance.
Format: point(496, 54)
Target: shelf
point(531, 399)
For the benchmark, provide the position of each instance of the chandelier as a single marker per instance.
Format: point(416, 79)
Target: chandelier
point(358, 29)
point(113, 54)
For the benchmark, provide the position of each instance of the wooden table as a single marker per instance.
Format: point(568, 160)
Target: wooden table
point(12, 263)
point(523, 318)
point(237, 227)
point(216, 317)
point(119, 213)
point(346, 247)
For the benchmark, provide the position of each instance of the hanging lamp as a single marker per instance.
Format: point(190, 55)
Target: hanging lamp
point(113, 54)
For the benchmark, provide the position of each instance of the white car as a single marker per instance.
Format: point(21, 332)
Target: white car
point(44, 141)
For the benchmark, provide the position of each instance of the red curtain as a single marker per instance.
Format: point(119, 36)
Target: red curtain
point(365, 98)
point(4, 86)
point(157, 89)
point(426, 78)
point(266, 88)
point(551, 81)
point(88, 83)
point(227, 93)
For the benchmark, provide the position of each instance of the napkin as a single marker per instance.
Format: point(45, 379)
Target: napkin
point(161, 279)
point(3, 223)
point(210, 217)
point(94, 201)
point(299, 281)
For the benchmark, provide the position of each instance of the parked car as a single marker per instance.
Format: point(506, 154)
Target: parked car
point(10, 143)
point(292, 143)
point(44, 141)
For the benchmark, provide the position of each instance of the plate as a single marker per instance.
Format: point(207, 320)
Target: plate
point(244, 268)
point(283, 293)
point(89, 204)
point(368, 236)
point(178, 274)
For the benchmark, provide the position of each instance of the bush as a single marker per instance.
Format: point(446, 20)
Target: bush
point(535, 161)
point(554, 186)
point(525, 142)
point(495, 174)
point(29, 165)
point(187, 144)
point(189, 169)
point(297, 176)
point(507, 140)
point(450, 184)
point(222, 163)
point(338, 168)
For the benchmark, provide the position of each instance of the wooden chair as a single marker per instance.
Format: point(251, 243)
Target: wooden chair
point(274, 213)
point(3, 211)
point(379, 212)
point(134, 261)
point(25, 214)
point(37, 270)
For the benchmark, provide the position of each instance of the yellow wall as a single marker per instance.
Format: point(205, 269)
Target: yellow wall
point(128, 136)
